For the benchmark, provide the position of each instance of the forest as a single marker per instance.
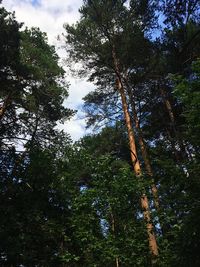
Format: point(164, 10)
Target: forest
point(128, 194)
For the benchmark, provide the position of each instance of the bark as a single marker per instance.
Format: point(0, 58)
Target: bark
point(145, 155)
point(168, 107)
point(117, 262)
point(182, 147)
point(136, 165)
point(143, 148)
point(113, 231)
point(137, 169)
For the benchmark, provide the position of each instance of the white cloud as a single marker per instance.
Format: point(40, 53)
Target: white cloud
point(77, 90)
point(75, 127)
point(49, 16)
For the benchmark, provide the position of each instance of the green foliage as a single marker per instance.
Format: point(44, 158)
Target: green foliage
point(74, 205)
point(166, 119)
point(108, 194)
point(33, 86)
point(187, 90)
point(34, 210)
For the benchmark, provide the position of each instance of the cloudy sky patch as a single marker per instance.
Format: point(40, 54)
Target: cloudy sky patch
point(50, 16)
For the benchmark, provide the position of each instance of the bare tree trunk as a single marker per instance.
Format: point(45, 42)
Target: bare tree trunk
point(180, 143)
point(143, 147)
point(117, 262)
point(168, 106)
point(136, 164)
point(145, 155)
point(137, 169)
point(113, 231)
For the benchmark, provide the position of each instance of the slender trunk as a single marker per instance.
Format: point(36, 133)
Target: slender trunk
point(168, 107)
point(145, 155)
point(147, 162)
point(136, 164)
point(178, 155)
point(180, 143)
point(113, 231)
point(117, 262)
point(143, 148)
point(137, 169)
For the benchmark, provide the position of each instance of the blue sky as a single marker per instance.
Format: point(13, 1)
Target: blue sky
point(35, 2)
point(49, 16)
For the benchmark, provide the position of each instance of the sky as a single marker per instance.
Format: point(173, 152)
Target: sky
point(49, 16)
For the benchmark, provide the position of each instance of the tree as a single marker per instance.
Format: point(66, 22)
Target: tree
point(33, 87)
point(34, 204)
point(111, 232)
point(106, 25)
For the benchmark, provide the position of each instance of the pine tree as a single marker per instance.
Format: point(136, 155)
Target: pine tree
point(106, 26)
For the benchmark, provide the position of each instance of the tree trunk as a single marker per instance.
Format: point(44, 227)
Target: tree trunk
point(113, 232)
point(136, 164)
point(147, 163)
point(137, 169)
point(145, 155)
point(143, 148)
point(168, 105)
point(117, 262)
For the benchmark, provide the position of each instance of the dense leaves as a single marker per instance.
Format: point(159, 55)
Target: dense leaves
point(79, 204)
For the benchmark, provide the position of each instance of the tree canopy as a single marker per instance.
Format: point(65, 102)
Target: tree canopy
point(127, 194)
